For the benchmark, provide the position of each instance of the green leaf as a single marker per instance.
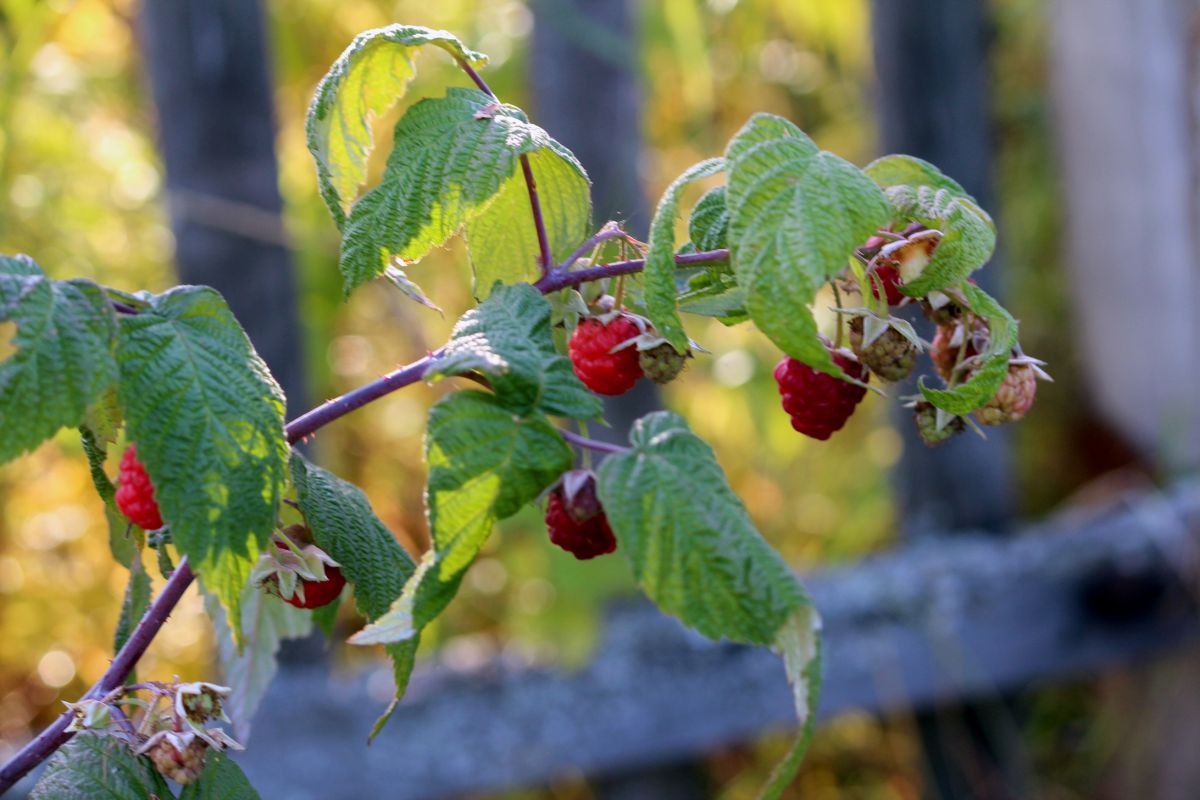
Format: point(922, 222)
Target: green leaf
point(715, 293)
point(249, 670)
point(485, 463)
point(796, 213)
point(207, 418)
point(451, 156)
point(968, 235)
point(344, 525)
point(900, 170)
point(800, 645)
point(222, 779)
point(133, 607)
point(63, 359)
point(507, 337)
point(691, 543)
point(502, 240)
point(92, 767)
point(367, 79)
point(95, 452)
point(985, 380)
point(660, 288)
point(708, 226)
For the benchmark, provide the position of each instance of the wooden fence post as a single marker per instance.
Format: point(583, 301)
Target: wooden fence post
point(934, 103)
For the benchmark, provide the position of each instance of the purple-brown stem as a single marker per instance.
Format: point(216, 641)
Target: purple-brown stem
point(55, 736)
point(592, 444)
point(561, 278)
point(539, 222)
point(605, 234)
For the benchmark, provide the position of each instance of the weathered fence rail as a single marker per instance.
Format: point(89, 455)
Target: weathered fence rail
point(961, 617)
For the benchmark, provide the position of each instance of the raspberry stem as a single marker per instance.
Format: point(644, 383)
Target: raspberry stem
point(592, 444)
point(539, 222)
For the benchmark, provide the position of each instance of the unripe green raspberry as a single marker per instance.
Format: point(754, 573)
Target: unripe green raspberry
point(662, 364)
point(891, 356)
point(925, 415)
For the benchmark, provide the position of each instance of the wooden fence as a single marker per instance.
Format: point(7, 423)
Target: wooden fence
point(961, 617)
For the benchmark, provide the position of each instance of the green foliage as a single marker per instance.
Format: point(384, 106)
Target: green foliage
point(344, 525)
point(207, 418)
point(919, 192)
point(968, 235)
point(708, 226)
point(508, 339)
point(697, 555)
point(91, 767)
point(485, 462)
point(799, 643)
point(900, 170)
point(502, 240)
point(689, 539)
point(450, 157)
point(369, 77)
point(63, 359)
point(660, 288)
point(222, 779)
point(248, 670)
point(985, 380)
point(796, 214)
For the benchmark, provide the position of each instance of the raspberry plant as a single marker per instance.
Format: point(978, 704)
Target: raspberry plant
point(222, 497)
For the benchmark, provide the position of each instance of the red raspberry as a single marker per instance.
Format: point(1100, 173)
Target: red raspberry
point(576, 520)
point(1013, 399)
point(819, 404)
point(314, 594)
point(135, 492)
point(887, 274)
point(600, 369)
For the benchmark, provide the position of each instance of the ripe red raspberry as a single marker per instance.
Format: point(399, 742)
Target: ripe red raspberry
point(1014, 398)
point(314, 594)
point(600, 369)
point(887, 274)
point(819, 404)
point(576, 520)
point(891, 356)
point(662, 364)
point(135, 492)
point(182, 766)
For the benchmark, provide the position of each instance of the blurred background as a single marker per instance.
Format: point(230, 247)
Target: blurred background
point(143, 145)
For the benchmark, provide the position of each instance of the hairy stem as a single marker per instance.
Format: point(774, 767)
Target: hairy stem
point(55, 736)
point(592, 444)
point(561, 279)
point(606, 233)
point(539, 222)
